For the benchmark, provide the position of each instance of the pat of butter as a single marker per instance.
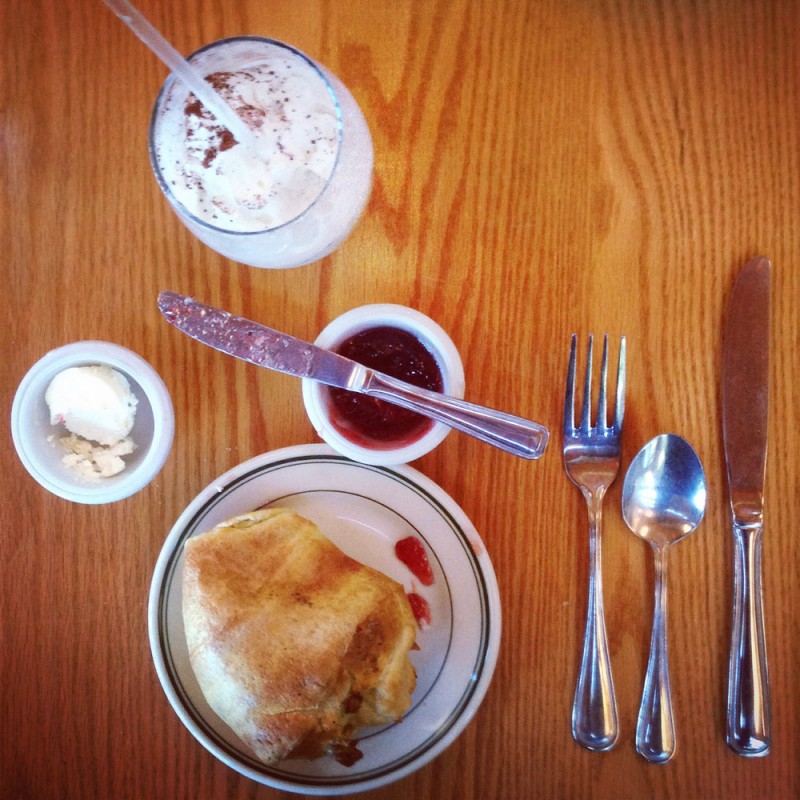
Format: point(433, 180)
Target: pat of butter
point(93, 402)
point(97, 407)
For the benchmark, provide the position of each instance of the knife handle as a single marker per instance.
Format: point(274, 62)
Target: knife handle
point(748, 683)
point(515, 435)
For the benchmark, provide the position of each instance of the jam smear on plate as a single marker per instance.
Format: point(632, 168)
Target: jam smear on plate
point(420, 608)
point(412, 553)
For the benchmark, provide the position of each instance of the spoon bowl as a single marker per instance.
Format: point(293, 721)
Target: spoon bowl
point(663, 500)
point(664, 493)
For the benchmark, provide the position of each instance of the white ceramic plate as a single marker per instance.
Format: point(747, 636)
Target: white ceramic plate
point(363, 509)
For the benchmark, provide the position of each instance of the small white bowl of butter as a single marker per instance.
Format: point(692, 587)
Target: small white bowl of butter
point(78, 445)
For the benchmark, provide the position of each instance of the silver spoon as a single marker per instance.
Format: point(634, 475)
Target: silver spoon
point(663, 500)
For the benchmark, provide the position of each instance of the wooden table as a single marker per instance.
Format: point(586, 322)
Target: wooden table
point(541, 168)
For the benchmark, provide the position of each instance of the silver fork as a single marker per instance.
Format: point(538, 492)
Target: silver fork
point(591, 460)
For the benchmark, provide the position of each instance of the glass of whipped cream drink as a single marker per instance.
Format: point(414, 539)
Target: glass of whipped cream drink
point(296, 197)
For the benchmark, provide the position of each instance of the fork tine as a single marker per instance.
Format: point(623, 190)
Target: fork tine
point(586, 411)
point(569, 398)
point(619, 403)
point(602, 401)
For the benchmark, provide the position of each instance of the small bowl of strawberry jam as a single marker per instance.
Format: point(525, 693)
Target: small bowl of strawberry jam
point(400, 342)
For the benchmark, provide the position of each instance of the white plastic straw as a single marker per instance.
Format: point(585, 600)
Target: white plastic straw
point(177, 64)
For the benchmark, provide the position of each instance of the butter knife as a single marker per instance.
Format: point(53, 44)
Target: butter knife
point(745, 400)
point(269, 348)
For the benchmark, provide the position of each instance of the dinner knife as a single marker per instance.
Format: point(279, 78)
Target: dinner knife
point(745, 400)
point(265, 347)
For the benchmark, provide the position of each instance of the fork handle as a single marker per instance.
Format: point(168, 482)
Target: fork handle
point(595, 724)
point(748, 684)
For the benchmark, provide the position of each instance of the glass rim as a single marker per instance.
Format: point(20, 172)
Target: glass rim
point(164, 91)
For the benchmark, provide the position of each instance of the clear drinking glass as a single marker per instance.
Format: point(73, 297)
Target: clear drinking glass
point(325, 211)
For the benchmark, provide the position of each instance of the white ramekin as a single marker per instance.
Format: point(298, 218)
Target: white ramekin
point(430, 334)
point(36, 440)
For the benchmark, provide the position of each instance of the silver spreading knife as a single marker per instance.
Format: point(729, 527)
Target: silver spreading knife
point(269, 348)
point(745, 401)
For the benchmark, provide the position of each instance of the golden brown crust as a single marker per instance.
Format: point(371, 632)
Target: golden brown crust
point(294, 644)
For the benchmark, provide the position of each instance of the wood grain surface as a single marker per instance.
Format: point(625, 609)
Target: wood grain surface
point(540, 168)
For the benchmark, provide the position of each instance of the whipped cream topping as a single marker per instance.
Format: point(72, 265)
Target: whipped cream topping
point(292, 111)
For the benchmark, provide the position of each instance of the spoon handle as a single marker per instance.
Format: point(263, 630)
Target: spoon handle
point(594, 711)
point(748, 684)
point(655, 728)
